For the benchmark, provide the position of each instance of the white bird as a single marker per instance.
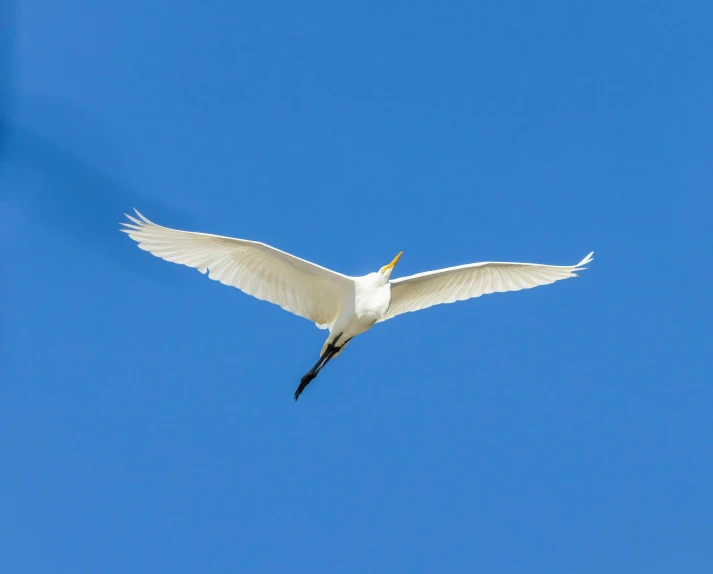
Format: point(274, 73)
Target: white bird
point(347, 306)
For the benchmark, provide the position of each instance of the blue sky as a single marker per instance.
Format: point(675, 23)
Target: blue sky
point(147, 414)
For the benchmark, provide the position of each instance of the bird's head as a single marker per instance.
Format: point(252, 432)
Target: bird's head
point(385, 271)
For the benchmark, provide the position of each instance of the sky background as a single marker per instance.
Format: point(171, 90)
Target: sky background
point(146, 413)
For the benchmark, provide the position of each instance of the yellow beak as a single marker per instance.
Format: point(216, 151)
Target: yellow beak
point(394, 262)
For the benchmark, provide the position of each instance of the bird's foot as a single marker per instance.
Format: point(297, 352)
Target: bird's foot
point(306, 380)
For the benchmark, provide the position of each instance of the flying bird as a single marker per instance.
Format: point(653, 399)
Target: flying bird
point(346, 306)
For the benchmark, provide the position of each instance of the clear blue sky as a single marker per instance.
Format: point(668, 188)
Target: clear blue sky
point(147, 422)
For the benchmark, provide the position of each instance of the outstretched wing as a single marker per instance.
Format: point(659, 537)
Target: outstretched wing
point(467, 281)
point(269, 274)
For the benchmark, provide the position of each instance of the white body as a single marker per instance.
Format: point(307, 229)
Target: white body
point(361, 309)
point(347, 306)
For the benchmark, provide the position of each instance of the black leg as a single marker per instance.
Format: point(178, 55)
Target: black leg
point(322, 358)
point(330, 351)
point(330, 355)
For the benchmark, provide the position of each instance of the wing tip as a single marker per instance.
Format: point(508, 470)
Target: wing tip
point(133, 224)
point(144, 219)
point(585, 261)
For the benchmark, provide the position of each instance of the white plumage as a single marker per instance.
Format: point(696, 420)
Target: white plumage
point(347, 306)
point(453, 284)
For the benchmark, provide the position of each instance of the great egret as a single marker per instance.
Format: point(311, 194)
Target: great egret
point(347, 306)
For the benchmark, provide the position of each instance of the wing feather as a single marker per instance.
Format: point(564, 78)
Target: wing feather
point(424, 290)
point(296, 285)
